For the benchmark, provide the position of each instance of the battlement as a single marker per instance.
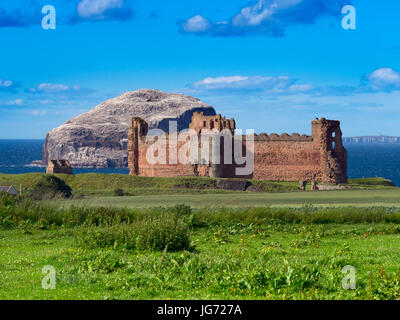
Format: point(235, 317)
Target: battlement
point(217, 122)
point(282, 137)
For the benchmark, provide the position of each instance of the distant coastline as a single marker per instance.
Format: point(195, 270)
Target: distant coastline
point(372, 140)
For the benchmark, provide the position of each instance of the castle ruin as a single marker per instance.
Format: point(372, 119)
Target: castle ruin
point(320, 157)
point(59, 166)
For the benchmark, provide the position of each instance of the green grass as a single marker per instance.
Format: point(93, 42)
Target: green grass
point(234, 245)
point(370, 183)
point(254, 253)
point(231, 261)
point(97, 184)
point(364, 198)
point(106, 184)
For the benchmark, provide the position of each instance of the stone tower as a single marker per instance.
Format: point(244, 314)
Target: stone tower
point(137, 132)
point(217, 122)
point(214, 125)
point(333, 159)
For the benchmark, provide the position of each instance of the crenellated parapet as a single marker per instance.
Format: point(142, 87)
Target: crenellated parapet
point(200, 122)
point(282, 137)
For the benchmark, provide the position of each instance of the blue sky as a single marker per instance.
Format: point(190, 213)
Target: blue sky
point(273, 65)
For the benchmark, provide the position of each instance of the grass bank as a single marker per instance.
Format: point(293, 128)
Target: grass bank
point(389, 197)
point(97, 184)
point(255, 253)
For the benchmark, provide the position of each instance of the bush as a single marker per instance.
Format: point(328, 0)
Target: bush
point(119, 192)
point(8, 200)
point(181, 210)
point(7, 203)
point(167, 231)
point(49, 187)
point(115, 236)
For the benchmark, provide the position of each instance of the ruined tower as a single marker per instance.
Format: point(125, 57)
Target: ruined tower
point(137, 132)
point(207, 126)
point(327, 134)
point(200, 122)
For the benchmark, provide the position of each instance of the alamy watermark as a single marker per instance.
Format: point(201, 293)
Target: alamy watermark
point(349, 280)
point(349, 21)
point(49, 21)
point(209, 147)
point(49, 280)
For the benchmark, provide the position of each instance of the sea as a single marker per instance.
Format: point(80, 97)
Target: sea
point(16, 156)
point(364, 160)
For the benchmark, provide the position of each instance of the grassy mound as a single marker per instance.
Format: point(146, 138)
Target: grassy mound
point(372, 182)
point(48, 187)
point(107, 184)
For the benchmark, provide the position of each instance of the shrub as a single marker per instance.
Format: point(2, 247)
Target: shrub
point(8, 199)
point(166, 231)
point(193, 183)
point(115, 236)
point(119, 192)
point(182, 209)
point(50, 186)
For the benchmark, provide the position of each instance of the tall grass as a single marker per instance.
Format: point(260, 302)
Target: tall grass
point(14, 212)
point(157, 229)
point(168, 232)
point(304, 215)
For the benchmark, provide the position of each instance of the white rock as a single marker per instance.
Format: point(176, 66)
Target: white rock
point(98, 138)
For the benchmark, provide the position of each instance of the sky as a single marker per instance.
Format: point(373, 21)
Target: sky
point(273, 65)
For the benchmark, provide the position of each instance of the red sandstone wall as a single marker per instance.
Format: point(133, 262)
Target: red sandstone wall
point(286, 160)
point(273, 160)
point(320, 157)
point(161, 170)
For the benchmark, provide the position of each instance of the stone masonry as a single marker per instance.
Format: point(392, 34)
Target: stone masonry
point(320, 157)
point(59, 166)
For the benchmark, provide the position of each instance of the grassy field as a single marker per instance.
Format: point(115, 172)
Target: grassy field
point(256, 254)
point(139, 192)
point(96, 184)
point(232, 245)
point(363, 198)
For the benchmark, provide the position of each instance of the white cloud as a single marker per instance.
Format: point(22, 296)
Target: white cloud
point(97, 8)
point(16, 102)
point(196, 24)
point(301, 87)
point(51, 88)
point(37, 113)
point(245, 83)
point(210, 82)
point(6, 83)
point(384, 79)
point(265, 17)
point(254, 15)
point(381, 80)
